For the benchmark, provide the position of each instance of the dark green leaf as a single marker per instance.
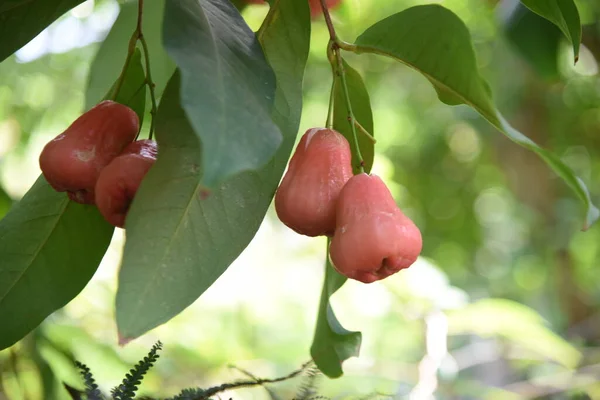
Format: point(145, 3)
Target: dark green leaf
point(49, 249)
point(195, 238)
point(109, 60)
point(562, 13)
point(133, 89)
point(445, 55)
point(361, 107)
point(22, 20)
point(332, 343)
point(228, 88)
point(536, 40)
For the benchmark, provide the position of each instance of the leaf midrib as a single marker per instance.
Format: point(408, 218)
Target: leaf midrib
point(167, 250)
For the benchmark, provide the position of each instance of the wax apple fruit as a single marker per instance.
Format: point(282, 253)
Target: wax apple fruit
point(307, 196)
point(373, 238)
point(72, 161)
point(120, 179)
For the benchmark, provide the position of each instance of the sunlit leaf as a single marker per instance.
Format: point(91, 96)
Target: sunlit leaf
point(562, 13)
point(361, 107)
point(22, 20)
point(49, 249)
point(332, 344)
point(517, 323)
point(179, 239)
point(109, 59)
point(228, 88)
point(435, 42)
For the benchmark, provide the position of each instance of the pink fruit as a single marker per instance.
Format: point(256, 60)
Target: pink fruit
point(120, 179)
point(307, 196)
point(373, 238)
point(72, 161)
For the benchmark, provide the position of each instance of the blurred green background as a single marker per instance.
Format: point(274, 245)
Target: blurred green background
point(504, 302)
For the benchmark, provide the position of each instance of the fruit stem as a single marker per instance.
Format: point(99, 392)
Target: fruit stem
point(364, 131)
point(139, 35)
point(149, 81)
point(341, 73)
point(335, 58)
point(329, 121)
point(331, 58)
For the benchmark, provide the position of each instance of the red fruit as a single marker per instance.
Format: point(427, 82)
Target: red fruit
point(72, 161)
point(306, 198)
point(373, 238)
point(315, 5)
point(119, 181)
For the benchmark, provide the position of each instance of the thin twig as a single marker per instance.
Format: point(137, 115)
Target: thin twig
point(138, 34)
point(256, 382)
point(328, 21)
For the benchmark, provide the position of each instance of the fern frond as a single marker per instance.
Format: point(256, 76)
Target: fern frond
point(126, 390)
point(308, 387)
point(91, 389)
point(189, 394)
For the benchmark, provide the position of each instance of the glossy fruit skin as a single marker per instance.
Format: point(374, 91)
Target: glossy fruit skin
point(120, 179)
point(72, 161)
point(308, 193)
point(373, 238)
point(315, 5)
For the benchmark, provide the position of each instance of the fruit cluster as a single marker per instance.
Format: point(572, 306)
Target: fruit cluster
point(96, 160)
point(319, 195)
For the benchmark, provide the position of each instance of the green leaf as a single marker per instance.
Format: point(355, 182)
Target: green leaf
point(195, 238)
point(361, 107)
point(133, 89)
point(517, 323)
point(228, 88)
point(22, 20)
point(332, 343)
point(445, 56)
point(562, 13)
point(536, 40)
point(49, 249)
point(5, 202)
point(109, 60)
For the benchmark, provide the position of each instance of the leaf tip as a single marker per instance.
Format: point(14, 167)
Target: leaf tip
point(123, 341)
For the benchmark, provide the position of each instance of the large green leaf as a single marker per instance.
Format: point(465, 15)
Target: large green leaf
point(228, 88)
point(434, 41)
point(22, 20)
point(49, 249)
point(361, 107)
point(332, 343)
point(562, 13)
point(132, 92)
point(109, 60)
point(536, 40)
point(179, 241)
